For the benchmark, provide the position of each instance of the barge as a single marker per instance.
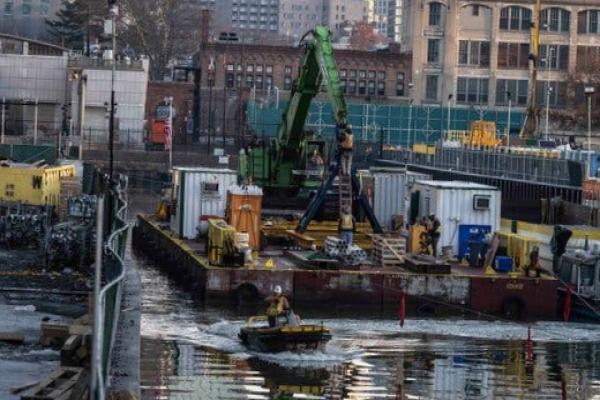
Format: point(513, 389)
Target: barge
point(465, 290)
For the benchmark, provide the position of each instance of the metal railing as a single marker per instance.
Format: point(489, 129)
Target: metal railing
point(110, 270)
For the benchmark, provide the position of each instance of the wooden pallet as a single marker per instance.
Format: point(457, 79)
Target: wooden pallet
point(389, 251)
point(60, 385)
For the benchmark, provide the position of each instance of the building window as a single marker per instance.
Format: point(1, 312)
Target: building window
point(362, 74)
point(287, 70)
point(474, 53)
point(229, 79)
point(362, 87)
point(371, 88)
point(352, 86)
point(269, 69)
point(26, 7)
point(44, 7)
point(431, 87)
point(380, 88)
point(516, 88)
point(515, 18)
point(558, 93)
point(352, 74)
point(343, 73)
point(230, 67)
point(343, 84)
point(435, 14)
point(9, 7)
point(249, 81)
point(381, 75)
point(259, 68)
point(586, 56)
point(269, 82)
point(472, 90)
point(371, 74)
point(555, 20)
point(400, 84)
point(513, 55)
point(475, 10)
point(287, 83)
point(554, 57)
point(250, 68)
point(258, 83)
point(433, 51)
point(587, 21)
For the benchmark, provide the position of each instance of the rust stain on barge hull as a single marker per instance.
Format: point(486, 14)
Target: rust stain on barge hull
point(473, 289)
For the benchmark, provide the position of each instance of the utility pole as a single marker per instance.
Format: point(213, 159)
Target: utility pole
point(113, 12)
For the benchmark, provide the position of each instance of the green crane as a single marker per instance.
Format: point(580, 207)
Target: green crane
point(282, 165)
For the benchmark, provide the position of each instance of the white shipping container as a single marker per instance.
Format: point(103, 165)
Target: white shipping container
point(389, 194)
point(199, 192)
point(457, 203)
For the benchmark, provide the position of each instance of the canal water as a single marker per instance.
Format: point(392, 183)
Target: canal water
point(191, 352)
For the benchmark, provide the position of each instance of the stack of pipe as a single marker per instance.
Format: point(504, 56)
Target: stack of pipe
point(335, 247)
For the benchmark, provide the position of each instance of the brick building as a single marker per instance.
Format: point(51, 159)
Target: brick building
point(232, 73)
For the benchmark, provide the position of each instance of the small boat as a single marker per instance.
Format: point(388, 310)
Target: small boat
point(298, 338)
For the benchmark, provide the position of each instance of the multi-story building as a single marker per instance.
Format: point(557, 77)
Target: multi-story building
point(378, 14)
point(394, 31)
point(28, 17)
point(296, 18)
point(476, 53)
point(336, 12)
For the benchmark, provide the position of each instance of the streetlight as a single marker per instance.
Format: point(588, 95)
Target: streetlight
point(509, 97)
point(548, 61)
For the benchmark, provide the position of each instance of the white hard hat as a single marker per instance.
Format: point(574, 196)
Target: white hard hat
point(277, 290)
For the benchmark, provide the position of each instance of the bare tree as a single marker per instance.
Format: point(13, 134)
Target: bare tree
point(587, 73)
point(162, 30)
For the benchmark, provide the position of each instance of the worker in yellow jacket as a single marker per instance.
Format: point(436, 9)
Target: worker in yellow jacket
point(347, 225)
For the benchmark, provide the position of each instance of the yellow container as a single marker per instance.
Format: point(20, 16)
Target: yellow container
point(221, 240)
point(33, 185)
point(424, 149)
point(518, 247)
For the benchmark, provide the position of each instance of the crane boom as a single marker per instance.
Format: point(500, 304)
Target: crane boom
point(530, 124)
point(318, 65)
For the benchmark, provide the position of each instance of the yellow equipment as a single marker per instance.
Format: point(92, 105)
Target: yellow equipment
point(482, 135)
point(530, 125)
point(32, 184)
point(221, 241)
point(518, 247)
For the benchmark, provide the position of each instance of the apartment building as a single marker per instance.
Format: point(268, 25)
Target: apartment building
point(476, 53)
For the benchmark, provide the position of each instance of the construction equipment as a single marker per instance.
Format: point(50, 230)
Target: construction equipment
point(530, 125)
point(319, 66)
point(482, 135)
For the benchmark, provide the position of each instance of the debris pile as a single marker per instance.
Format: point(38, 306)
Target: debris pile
point(69, 244)
point(24, 229)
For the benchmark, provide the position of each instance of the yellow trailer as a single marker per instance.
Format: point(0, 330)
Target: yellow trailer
point(32, 184)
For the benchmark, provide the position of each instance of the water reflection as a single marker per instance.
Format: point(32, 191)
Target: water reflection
point(185, 356)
